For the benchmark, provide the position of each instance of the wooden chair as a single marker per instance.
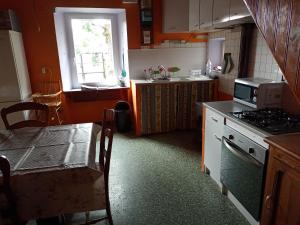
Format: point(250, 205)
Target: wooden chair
point(50, 94)
point(54, 103)
point(23, 106)
point(106, 140)
point(108, 122)
point(8, 214)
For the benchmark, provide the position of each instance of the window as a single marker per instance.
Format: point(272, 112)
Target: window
point(92, 45)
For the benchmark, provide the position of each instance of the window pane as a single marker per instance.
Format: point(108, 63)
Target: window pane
point(93, 50)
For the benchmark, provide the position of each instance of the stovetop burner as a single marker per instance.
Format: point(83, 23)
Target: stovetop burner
point(273, 121)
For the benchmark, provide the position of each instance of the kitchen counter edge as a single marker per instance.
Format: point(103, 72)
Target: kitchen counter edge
point(225, 107)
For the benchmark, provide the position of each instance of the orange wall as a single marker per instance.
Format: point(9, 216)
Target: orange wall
point(41, 49)
point(36, 18)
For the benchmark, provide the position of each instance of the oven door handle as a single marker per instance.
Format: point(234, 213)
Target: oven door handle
point(240, 154)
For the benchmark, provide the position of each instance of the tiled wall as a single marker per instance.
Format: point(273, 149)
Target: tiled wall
point(232, 45)
point(262, 63)
point(186, 56)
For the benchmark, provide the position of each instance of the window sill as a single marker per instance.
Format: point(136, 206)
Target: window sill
point(109, 93)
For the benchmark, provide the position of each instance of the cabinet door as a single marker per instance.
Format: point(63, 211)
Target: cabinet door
point(194, 13)
point(221, 11)
point(158, 105)
point(9, 91)
point(282, 195)
point(238, 9)
point(213, 143)
point(206, 13)
point(176, 16)
point(21, 65)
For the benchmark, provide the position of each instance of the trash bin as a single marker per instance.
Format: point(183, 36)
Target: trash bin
point(123, 116)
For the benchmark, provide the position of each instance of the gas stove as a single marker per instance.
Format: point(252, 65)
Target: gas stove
point(272, 120)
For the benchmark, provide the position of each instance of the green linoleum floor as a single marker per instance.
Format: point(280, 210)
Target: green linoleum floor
point(157, 180)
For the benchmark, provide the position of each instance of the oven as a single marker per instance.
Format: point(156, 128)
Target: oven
point(243, 169)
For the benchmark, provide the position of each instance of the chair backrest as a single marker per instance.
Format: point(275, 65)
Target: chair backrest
point(106, 133)
point(23, 106)
point(5, 189)
point(109, 119)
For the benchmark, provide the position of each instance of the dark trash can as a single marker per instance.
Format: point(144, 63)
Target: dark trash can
point(123, 116)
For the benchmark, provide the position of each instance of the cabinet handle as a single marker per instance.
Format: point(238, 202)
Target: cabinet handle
point(216, 137)
point(271, 200)
point(214, 119)
point(268, 201)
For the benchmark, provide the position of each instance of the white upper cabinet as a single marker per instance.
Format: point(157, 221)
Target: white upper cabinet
point(238, 9)
point(201, 15)
point(175, 16)
point(206, 13)
point(221, 10)
point(194, 15)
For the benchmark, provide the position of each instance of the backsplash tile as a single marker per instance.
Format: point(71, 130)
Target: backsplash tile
point(184, 55)
point(232, 45)
point(262, 63)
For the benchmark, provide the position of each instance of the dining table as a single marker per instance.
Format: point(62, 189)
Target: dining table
point(54, 169)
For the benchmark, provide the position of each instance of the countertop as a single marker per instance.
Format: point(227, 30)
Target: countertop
point(288, 143)
point(173, 80)
point(225, 107)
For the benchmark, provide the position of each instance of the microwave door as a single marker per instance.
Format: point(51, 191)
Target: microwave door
point(245, 94)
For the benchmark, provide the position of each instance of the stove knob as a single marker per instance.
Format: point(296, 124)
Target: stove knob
point(254, 99)
point(251, 150)
point(231, 137)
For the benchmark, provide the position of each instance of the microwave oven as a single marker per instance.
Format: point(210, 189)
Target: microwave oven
point(258, 92)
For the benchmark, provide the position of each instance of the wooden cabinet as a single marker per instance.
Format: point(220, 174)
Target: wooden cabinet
point(168, 106)
point(213, 132)
point(278, 22)
point(281, 205)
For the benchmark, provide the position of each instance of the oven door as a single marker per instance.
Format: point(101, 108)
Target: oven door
point(243, 176)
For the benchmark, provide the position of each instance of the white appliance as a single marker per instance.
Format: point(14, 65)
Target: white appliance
point(14, 80)
point(258, 93)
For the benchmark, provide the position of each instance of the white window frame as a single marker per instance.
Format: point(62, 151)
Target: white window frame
point(64, 39)
point(70, 41)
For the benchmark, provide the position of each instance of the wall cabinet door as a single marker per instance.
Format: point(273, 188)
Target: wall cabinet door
point(194, 14)
point(175, 16)
point(206, 13)
point(221, 11)
point(238, 9)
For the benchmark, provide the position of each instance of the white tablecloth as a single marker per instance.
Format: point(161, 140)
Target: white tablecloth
point(53, 169)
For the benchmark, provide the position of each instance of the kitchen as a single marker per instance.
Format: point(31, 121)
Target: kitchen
point(155, 39)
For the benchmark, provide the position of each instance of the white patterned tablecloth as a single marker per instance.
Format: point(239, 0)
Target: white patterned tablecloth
point(53, 169)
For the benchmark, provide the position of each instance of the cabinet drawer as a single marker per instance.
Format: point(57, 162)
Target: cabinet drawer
point(215, 122)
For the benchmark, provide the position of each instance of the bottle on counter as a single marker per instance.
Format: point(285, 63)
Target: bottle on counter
point(208, 67)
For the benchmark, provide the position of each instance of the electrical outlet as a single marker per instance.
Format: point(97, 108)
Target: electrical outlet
point(44, 70)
